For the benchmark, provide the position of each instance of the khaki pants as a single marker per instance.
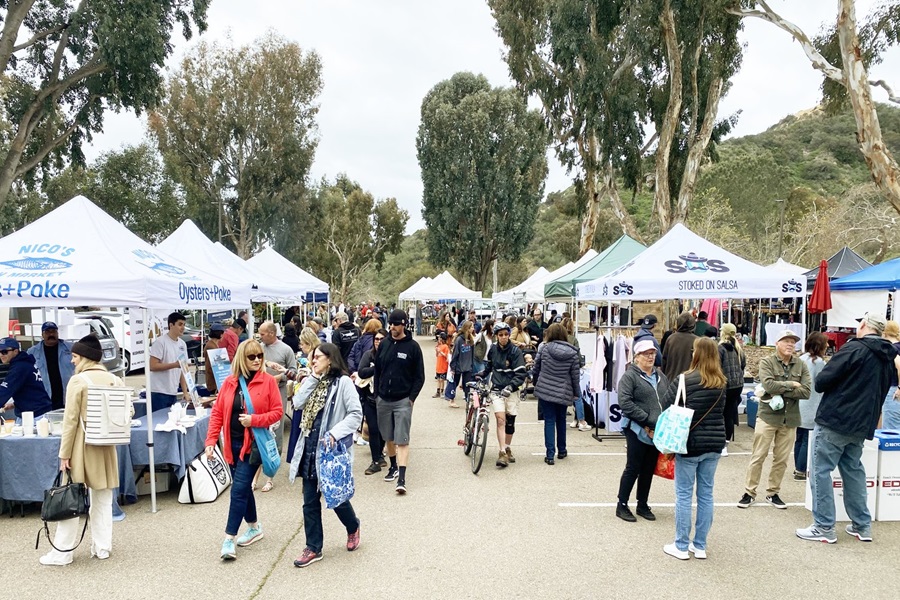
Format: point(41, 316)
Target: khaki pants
point(764, 437)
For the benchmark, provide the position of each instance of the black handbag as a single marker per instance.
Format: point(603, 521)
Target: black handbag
point(62, 502)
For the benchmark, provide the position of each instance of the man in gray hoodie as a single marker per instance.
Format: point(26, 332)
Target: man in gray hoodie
point(679, 347)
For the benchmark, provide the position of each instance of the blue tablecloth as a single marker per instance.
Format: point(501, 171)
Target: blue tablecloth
point(28, 466)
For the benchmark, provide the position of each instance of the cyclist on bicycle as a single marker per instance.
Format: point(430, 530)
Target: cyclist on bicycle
point(506, 368)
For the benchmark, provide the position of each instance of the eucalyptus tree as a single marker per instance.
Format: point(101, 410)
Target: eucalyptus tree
point(237, 130)
point(64, 62)
point(482, 154)
point(844, 53)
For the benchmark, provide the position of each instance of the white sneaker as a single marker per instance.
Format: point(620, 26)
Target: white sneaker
point(672, 550)
point(697, 552)
point(57, 559)
point(583, 426)
point(361, 442)
point(573, 424)
point(725, 451)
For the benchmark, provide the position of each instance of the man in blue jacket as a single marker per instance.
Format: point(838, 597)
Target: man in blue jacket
point(53, 358)
point(22, 389)
point(853, 386)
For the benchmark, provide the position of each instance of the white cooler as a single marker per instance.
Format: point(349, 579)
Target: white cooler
point(888, 508)
point(869, 463)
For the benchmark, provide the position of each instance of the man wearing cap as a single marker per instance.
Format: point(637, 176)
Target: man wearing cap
point(22, 390)
point(646, 333)
point(166, 355)
point(853, 385)
point(232, 337)
point(53, 358)
point(399, 377)
point(786, 381)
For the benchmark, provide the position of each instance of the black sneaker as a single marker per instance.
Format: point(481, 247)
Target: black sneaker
point(382, 462)
point(401, 487)
point(745, 501)
point(373, 468)
point(775, 501)
point(624, 513)
point(799, 476)
point(392, 474)
point(645, 512)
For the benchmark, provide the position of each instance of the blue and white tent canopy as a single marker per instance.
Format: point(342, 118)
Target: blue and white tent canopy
point(681, 264)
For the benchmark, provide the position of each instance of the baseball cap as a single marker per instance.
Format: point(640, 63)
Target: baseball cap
point(787, 333)
point(649, 320)
point(9, 344)
point(875, 321)
point(239, 322)
point(397, 317)
point(217, 327)
point(643, 346)
point(48, 325)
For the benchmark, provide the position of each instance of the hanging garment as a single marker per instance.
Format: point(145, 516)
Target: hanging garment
point(599, 367)
point(620, 360)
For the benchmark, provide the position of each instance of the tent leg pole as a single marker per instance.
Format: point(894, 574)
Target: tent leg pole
point(149, 415)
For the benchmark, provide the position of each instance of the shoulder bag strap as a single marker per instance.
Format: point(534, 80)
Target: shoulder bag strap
point(682, 393)
point(247, 399)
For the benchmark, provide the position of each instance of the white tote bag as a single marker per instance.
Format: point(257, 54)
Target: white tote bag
point(205, 478)
point(674, 424)
point(108, 416)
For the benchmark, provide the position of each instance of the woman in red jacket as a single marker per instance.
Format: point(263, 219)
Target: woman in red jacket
point(230, 417)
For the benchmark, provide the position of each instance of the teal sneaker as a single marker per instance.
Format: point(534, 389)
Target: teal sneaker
point(252, 534)
point(228, 550)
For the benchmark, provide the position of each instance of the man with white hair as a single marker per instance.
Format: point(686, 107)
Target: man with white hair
point(344, 335)
point(853, 386)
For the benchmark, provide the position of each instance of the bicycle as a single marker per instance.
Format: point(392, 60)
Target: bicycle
point(477, 425)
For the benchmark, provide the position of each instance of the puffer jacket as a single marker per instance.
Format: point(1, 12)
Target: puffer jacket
point(854, 384)
point(362, 345)
point(638, 399)
point(707, 429)
point(679, 348)
point(557, 369)
point(733, 364)
point(505, 366)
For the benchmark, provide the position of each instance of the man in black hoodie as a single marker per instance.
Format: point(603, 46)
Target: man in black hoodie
point(853, 386)
point(679, 348)
point(399, 377)
point(344, 335)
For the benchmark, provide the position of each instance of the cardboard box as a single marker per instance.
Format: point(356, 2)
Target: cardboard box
point(869, 463)
point(142, 478)
point(887, 506)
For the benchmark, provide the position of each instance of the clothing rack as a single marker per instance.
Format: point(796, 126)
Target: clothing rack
point(628, 331)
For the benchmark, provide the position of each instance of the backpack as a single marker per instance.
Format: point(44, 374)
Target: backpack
point(108, 414)
point(480, 347)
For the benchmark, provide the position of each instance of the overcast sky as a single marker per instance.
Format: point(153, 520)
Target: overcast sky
point(380, 58)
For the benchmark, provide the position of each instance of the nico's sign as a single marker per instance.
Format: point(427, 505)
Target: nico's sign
point(38, 271)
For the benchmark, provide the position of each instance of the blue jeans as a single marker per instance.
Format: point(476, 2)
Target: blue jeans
point(579, 409)
point(554, 427)
point(243, 503)
point(312, 515)
point(689, 469)
point(801, 450)
point(890, 412)
point(832, 449)
point(160, 401)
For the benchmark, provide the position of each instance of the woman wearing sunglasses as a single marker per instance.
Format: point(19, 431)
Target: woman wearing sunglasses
point(331, 412)
point(232, 418)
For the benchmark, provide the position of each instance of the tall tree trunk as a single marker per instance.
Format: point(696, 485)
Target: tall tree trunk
point(611, 191)
point(884, 168)
point(591, 211)
point(698, 146)
point(662, 207)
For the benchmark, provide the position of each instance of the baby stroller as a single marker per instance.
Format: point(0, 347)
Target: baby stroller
point(528, 387)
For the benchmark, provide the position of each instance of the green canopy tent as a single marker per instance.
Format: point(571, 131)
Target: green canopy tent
point(562, 289)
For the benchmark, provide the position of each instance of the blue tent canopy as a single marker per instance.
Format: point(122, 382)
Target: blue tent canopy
point(885, 276)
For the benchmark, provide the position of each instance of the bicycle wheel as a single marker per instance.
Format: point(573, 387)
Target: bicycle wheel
point(480, 436)
point(469, 430)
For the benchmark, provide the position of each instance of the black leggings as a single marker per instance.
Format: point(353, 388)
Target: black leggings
point(640, 463)
point(376, 444)
point(732, 400)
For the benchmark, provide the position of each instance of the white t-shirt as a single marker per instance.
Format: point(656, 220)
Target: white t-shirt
point(167, 350)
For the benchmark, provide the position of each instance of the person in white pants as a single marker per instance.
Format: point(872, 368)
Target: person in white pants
point(95, 466)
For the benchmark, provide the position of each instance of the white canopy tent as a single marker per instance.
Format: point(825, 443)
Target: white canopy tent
point(77, 255)
point(530, 290)
point(189, 241)
point(275, 267)
point(783, 266)
point(682, 264)
point(409, 294)
point(444, 287)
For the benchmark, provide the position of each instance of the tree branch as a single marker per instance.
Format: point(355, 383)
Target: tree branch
point(883, 84)
point(818, 61)
point(39, 36)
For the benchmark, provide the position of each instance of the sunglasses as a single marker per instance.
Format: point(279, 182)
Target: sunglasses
point(5, 352)
point(379, 338)
point(252, 357)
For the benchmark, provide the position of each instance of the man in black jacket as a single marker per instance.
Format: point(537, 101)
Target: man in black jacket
point(399, 377)
point(646, 333)
point(854, 384)
point(536, 327)
point(344, 335)
point(506, 367)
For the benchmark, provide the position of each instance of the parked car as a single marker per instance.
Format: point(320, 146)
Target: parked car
point(103, 328)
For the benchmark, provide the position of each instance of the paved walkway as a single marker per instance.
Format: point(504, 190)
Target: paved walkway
point(529, 531)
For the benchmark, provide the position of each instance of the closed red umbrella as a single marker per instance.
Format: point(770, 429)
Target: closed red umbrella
point(821, 294)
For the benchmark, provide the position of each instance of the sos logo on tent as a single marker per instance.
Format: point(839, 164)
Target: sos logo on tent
point(695, 264)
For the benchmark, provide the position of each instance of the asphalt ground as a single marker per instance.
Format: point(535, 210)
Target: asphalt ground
point(528, 531)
